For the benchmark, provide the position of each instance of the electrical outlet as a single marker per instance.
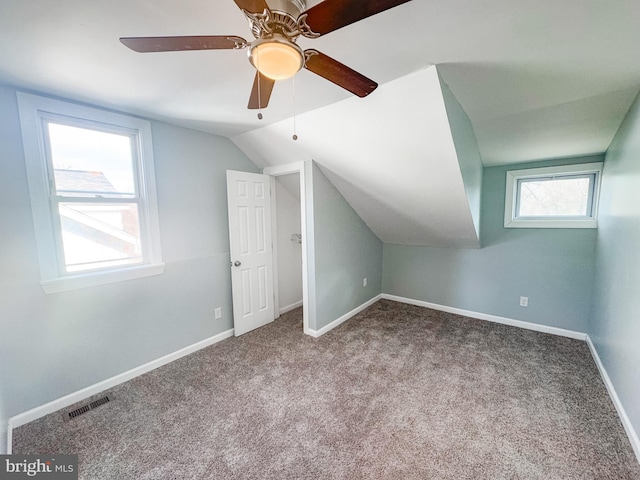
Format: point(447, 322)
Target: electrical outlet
point(218, 312)
point(524, 301)
point(364, 282)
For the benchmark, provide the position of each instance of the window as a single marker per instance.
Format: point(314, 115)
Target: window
point(553, 197)
point(92, 188)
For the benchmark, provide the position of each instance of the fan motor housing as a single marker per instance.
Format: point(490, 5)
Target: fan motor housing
point(291, 7)
point(282, 18)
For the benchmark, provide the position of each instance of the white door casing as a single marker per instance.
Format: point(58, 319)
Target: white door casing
point(249, 198)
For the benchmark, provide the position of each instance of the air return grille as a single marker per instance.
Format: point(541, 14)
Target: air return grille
point(87, 407)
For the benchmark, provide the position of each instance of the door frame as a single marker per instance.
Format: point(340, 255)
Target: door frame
point(308, 245)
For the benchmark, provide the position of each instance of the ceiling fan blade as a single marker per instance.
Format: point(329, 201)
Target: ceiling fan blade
point(340, 74)
point(252, 6)
point(331, 15)
point(266, 86)
point(175, 44)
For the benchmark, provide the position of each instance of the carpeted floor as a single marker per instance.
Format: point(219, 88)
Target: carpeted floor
point(397, 392)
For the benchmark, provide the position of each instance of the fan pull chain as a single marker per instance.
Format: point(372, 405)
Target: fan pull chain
point(295, 137)
point(259, 87)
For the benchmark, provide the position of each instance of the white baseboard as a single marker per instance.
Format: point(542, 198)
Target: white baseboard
point(626, 423)
point(86, 392)
point(490, 318)
point(80, 395)
point(288, 308)
point(344, 318)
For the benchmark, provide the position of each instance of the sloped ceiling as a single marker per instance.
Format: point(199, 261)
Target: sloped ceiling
point(391, 155)
point(537, 79)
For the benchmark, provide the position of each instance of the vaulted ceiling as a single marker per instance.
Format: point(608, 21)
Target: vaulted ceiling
point(406, 159)
point(536, 79)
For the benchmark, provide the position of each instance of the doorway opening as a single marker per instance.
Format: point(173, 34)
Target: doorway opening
point(293, 173)
point(287, 243)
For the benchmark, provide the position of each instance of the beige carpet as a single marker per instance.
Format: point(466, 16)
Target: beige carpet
point(397, 392)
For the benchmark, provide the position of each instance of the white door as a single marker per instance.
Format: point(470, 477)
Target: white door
point(249, 196)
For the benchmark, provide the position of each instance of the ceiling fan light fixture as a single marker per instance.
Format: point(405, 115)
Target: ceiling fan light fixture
point(276, 58)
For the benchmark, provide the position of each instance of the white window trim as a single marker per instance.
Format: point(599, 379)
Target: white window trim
point(33, 111)
point(510, 219)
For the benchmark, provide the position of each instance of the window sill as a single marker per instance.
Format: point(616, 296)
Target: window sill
point(93, 279)
point(591, 223)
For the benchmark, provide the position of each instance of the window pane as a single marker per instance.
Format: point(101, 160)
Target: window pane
point(99, 235)
point(91, 162)
point(554, 197)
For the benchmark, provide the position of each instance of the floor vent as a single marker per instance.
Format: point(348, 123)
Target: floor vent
point(88, 407)
point(98, 402)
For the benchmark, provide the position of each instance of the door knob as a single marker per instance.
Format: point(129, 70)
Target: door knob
point(237, 263)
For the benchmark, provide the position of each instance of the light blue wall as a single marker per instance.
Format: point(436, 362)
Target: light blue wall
point(553, 267)
point(466, 145)
point(52, 345)
point(346, 251)
point(615, 321)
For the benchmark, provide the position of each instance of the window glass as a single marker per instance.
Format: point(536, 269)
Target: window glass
point(89, 161)
point(99, 235)
point(553, 197)
point(93, 165)
point(563, 196)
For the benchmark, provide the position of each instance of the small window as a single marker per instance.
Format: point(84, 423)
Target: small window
point(92, 191)
point(553, 197)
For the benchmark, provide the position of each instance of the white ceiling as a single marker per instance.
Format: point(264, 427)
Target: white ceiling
point(538, 79)
point(526, 72)
point(401, 174)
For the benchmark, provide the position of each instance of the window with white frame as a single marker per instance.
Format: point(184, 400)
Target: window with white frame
point(92, 186)
point(553, 197)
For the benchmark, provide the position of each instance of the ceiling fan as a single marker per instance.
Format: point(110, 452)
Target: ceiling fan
point(276, 24)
